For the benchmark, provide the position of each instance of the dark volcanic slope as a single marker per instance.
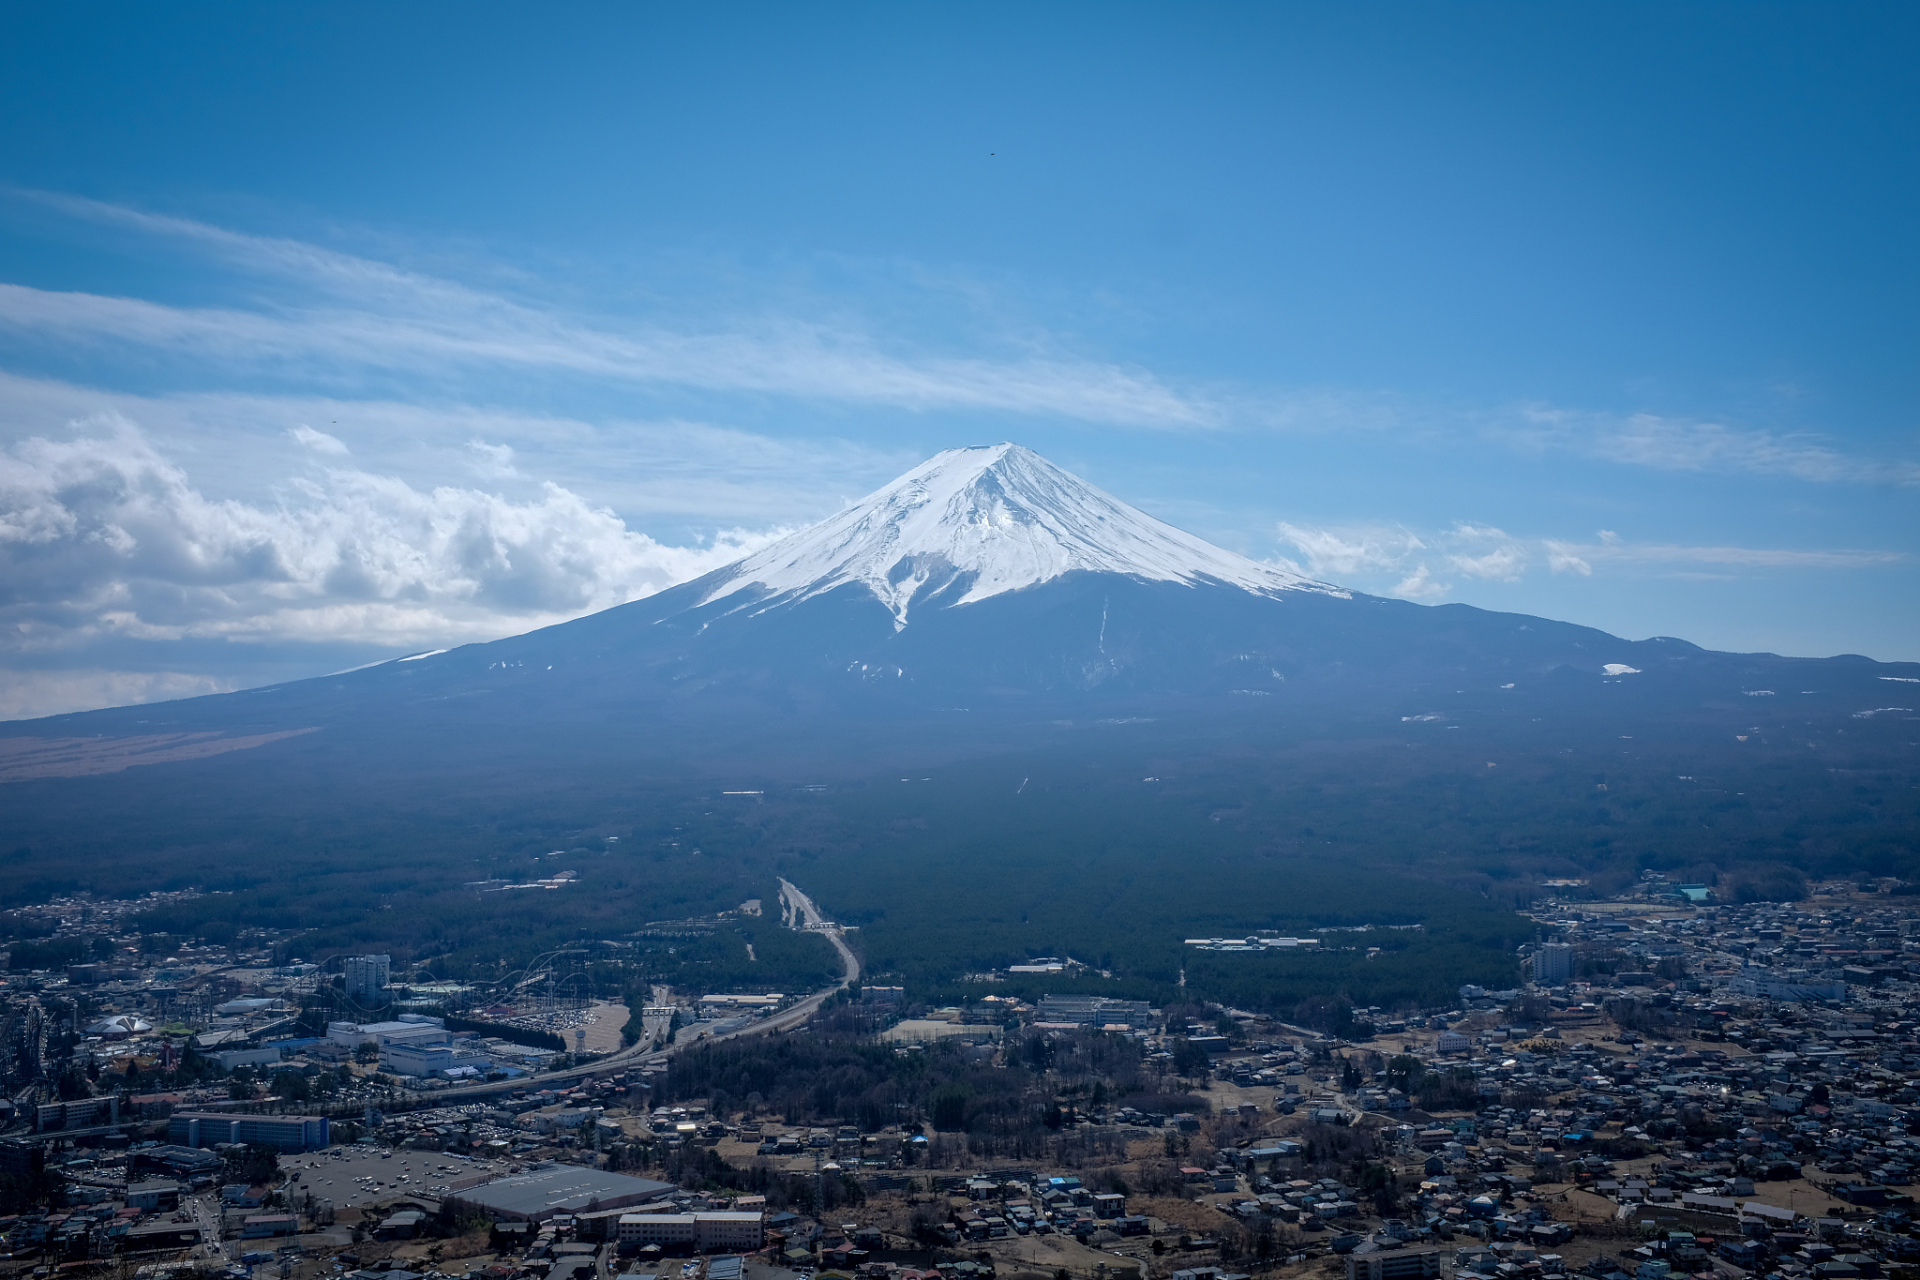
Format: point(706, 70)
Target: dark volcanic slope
point(1083, 644)
point(1482, 750)
point(830, 682)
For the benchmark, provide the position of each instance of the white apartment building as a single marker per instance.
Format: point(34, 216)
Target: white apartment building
point(367, 978)
point(717, 1230)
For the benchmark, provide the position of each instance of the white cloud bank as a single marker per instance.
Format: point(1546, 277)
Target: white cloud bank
point(25, 695)
point(101, 535)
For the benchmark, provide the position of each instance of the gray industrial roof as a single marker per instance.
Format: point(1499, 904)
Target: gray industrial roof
point(561, 1189)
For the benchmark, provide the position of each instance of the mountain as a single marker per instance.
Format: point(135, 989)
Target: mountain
point(971, 524)
point(985, 697)
point(991, 580)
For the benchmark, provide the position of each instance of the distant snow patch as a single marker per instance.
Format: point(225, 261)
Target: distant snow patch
point(1431, 715)
point(415, 657)
point(1868, 715)
point(1903, 679)
point(1758, 693)
point(1620, 669)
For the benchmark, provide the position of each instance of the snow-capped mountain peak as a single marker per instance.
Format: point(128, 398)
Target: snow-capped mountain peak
point(993, 519)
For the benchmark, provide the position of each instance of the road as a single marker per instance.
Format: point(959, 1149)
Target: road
point(205, 1211)
point(806, 914)
point(805, 909)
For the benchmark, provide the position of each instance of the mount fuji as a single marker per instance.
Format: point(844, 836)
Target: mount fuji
point(1082, 698)
point(981, 595)
point(970, 524)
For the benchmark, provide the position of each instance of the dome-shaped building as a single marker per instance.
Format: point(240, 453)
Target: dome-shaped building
point(120, 1026)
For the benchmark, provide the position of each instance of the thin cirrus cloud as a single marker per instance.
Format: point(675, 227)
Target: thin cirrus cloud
point(349, 313)
point(332, 317)
point(1665, 443)
point(814, 361)
point(1428, 565)
point(790, 358)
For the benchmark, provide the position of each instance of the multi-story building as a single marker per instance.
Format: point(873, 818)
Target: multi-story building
point(431, 1060)
point(720, 1230)
point(367, 978)
point(1553, 965)
point(284, 1133)
point(1094, 1011)
point(1394, 1264)
point(351, 1035)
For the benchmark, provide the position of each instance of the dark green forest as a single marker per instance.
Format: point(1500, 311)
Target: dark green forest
point(1106, 843)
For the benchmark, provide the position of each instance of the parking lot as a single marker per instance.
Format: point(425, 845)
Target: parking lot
point(354, 1177)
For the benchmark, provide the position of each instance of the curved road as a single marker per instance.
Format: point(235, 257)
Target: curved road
point(816, 923)
point(806, 916)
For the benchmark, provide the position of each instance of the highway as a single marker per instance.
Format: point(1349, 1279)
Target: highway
point(817, 923)
point(806, 914)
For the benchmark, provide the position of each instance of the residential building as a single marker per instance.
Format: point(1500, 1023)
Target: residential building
point(283, 1133)
point(1394, 1264)
point(367, 978)
point(1553, 965)
point(717, 1230)
point(85, 1113)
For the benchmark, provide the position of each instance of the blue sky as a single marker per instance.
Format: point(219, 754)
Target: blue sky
point(331, 332)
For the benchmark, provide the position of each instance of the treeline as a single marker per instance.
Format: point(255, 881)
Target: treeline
point(480, 936)
point(55, 953)
point(841, 1074)
point(1117, 878)
point(530, 1036)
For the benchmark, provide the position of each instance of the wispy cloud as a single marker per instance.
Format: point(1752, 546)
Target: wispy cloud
point(346, 314)
point(1339, 552)
point(1424, 565)
point(337, 320)
point(1650, 553)
point(669, 473)
point(1665, 443)
point(318, 441)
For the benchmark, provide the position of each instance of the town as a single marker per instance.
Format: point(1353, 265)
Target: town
point(1671, 1086)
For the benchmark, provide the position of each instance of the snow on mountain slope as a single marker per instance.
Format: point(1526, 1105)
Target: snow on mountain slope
point(1002, 514)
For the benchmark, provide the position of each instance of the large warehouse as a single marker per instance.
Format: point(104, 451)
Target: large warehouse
point(562, 1188)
